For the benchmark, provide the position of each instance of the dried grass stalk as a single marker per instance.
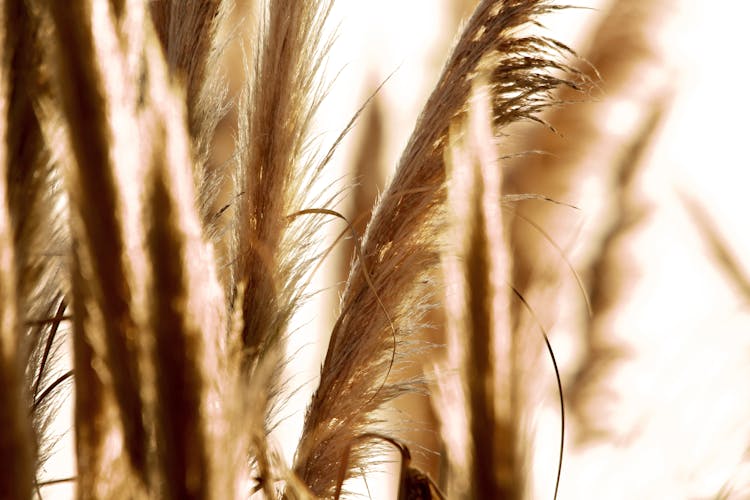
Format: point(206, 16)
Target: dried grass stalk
point(478, 324)
point(271, 254)
point(188, 31)
point(17, 447)
point(180, 384)
point(33, 201)
point(143, 349)
point(91, 419)
point(187, 312)
point(158, 410)
point(400, 247)
point(273, 174)
point(16, 440)
point(90, 72)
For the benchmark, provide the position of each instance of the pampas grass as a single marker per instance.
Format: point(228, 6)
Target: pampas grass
point(478, 305)
point(16, 440)
point(166, 359)
point(179, 295)
point(397, 247)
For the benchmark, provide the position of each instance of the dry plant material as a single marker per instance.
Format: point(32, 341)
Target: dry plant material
point(271, 257)
point(399, 246)
point(33, 203)
point(16, 439)
point(368, 176)
point(187, 30)
point(30, 179)
point(86, 36)
point(718, 246)
point(621, 50)
point(273, 175)
point(479, 334)
point(176, 375)
point(608, 283)
point(413, 484)
point(460, 9)
point(623, 56)
point(187, 315)
point(143, 369)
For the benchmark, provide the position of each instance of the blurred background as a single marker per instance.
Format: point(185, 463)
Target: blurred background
point(652, 231)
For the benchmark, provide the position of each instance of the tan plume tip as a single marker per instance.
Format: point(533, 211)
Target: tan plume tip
point(271, 253)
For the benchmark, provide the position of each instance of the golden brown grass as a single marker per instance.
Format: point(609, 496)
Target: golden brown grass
point(275, 117)
point(97, 128)
point(16, 440)
point(399, 247)
point(109, 110)
point(480, 342)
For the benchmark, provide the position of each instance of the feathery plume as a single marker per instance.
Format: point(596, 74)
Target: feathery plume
point(177, 374)
point(399, 247)
point(273, 177)
point(187, 31)
point(186, 317)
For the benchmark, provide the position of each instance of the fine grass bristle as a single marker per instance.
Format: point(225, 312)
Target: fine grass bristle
point(368, 177)
point(185, 32)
